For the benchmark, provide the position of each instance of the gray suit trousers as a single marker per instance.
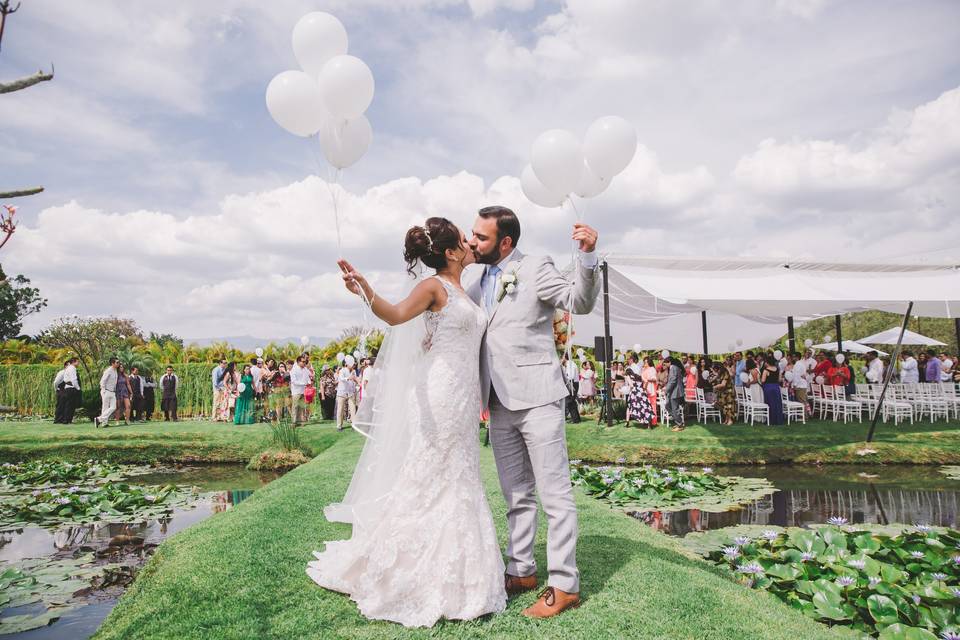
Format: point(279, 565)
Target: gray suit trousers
point(530, 447)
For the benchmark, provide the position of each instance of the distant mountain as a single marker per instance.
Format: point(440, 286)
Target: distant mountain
point(249, 343)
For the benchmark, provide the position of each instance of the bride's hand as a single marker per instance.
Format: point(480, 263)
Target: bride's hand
point(352, 279)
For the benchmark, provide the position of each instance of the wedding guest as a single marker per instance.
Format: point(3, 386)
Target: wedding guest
point(123, 395)
point(934, 367)
point(633, 363)
point(64, 397)
point(280, 392)
point(770, 381)
point(588, 382)
point(327, 386)
point(149, 396)
point(618, 377)
point(648, 374)
point(219, 401)
point(638, 402)
point(675, 392)
point(366, 376)
point(299, 379)
point(922, 367)
point(725, 394)
point(571, 378)
point(909, 372)
point(244, 411)
point(822, 367)
point(135, 381)
point(691, 379)
point(946, 368)
point(802, 373)
point(346, 394)
point(874, 368)
point(108, 394)
point(741, 365)
point(169, 385)
point(229, 396)
point(837, 374)
point(851, 386)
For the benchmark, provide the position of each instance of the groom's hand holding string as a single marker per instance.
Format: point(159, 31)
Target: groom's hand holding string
point(586, 236)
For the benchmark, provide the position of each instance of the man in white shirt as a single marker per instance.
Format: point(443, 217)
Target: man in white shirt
point(874, 368)
point(346, 395)
point(59, 388)
point(108, 394)
point(71, 389)
point(909, 371)
point(299, 379)
point(802, 370)
point(946, 368)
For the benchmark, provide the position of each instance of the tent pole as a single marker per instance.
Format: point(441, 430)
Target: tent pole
point(888, 373)
point(703, 322)
point(607, 351)
point(791, 335)
point(836, 322)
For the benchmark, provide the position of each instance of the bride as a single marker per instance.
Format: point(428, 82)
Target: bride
point(423, 546)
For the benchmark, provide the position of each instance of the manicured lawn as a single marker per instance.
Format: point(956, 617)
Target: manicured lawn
point(188, 441)
point(241, 574)
point(816, 441)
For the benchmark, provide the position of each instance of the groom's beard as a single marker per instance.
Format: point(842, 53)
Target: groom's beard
point(488, 258)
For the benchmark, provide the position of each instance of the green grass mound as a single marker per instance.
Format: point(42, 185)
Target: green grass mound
point(241, 574)
point(277, 459)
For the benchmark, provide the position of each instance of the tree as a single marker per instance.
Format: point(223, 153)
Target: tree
point(7, 225)
point(93, 340)
point(17, 301)
point(163, 339)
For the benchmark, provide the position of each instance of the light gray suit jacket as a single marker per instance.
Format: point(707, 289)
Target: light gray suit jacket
point(518, 355)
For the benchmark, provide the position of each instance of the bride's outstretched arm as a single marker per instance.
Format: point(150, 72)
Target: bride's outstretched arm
point(424, 296)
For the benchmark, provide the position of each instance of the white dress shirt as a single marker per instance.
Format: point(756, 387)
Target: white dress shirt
point(299, 379)
point(875, 371)
point(909, 373)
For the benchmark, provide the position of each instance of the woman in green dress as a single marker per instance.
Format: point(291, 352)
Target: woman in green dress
point(243, 414)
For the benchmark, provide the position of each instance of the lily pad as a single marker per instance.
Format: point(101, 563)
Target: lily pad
point(952, 472)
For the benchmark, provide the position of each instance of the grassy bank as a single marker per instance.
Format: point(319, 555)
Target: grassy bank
point(189, 441)
point(812, 443)
point(240, 574)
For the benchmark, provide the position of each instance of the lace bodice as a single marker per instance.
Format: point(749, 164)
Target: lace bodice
point(454, 333)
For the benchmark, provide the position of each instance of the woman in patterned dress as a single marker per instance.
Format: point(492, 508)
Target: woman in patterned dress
point(638, 403)
point(648, 374)
point(723, 388)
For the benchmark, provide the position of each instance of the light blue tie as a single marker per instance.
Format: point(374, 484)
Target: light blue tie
point(491, 287)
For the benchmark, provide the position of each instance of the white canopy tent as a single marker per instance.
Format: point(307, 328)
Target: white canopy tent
point(659, 302)
point(849, 346)
point(891, 335)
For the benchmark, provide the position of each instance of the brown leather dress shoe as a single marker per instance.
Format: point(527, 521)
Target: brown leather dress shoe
point(552, 601)
point(516, 584)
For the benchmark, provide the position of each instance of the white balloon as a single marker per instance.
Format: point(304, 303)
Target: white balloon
point(789, 376)
point(357, 354)
point(345, 141)
point(705, 375)
point(349, 361)
point(827, 338)
point(819, 380)
point(346, 84)
point(317, 37)
point(581, 352)
point(665, 353)
point(739, 341)
point(241, 387)
point(304, 340)
point(731, 347)
point(841, 358)
point(259, 352)
point(590, 184)
point(341, 356)
point(294, 103)
point(536, 192)
point(808, 343)
point(744, 377)
point(583, 357)
point(636, 347)
point(778, 355)
point(609, 146)
point(557, 160)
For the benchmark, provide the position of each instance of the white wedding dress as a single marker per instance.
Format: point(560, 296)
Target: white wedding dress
point(431, 552)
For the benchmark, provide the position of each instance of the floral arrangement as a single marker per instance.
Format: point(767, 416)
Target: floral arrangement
point(561, 325)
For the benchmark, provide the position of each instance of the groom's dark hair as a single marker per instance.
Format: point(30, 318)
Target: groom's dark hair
point(507, 223)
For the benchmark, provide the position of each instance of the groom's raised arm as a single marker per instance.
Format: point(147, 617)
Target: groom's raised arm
point(578, 294)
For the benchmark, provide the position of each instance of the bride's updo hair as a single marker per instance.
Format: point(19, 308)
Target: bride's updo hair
point(429, 243)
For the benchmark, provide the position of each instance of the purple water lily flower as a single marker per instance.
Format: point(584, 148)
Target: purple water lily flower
point(807, 556)
point(730, 553)
point(741, 540)
point(681, 469)
point(84, 498)
point(916, 554)
point(857, 564)
point(770, 535)
point(63, 500)
point(845, 581)
point(638, 482)
point(575, 462)
point(923, 528)
point(875, 580)
point(707, 470)
point(950, 634)
point(938, 576)
point(837, 521)
point(621, 460)
point(754, 568)
point(956, 559)
point(916, 599)
point(956, 593)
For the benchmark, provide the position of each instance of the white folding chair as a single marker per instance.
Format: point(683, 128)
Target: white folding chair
point(951, 398)
point(791, 408)
point(663, 413)
point(756, 407)
point(706, 410)
point(844, 407)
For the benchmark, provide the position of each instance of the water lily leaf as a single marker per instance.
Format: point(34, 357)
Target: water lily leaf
point(882, 609)
point(26, 622)
point(784, 571)
point(903, 632)
point(866, 542)
point(827, 608)
point(889, 573)
point(952, 472)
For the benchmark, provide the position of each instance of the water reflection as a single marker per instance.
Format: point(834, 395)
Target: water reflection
point(862, 495)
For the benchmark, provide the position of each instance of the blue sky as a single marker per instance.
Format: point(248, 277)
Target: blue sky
point(824, 128)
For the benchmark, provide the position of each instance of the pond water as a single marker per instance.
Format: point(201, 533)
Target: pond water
point(221, 487)
point(809, 495)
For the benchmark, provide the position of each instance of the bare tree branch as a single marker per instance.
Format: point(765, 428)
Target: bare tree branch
point(5, 10)
point(28, 81)
point(4, 195)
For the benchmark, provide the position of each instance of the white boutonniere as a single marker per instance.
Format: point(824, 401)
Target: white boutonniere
point(508, 284)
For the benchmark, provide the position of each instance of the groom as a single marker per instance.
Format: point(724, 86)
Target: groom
point(522, 384)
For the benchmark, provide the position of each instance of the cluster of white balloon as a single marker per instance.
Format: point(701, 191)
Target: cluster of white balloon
point(348, 359)
point(329, 96)
point(560, 165)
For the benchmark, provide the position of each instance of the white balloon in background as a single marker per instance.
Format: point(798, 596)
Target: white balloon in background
point(259, 352)
point(818, 380)
point(357, 354)
point(536, 192)
point(590, 184)
point(295, 103)
point(344, 142)
point(731, 347)
point(304, 340)
point(241, 387)
point(808, 343)
point(317, 37)
point(583, 357)
point(349, 361)
point(636, 348)
point(827, 338)
point(739, 342)
point(841, 358)
point(705, 375)
point(609, 146)
point(665, 353)
point(778, 355)
point(557, 160)
point(581, 352)
point(341, 356)
point(346, 84)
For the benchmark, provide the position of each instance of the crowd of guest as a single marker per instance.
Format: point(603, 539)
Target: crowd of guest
point(638, 379)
